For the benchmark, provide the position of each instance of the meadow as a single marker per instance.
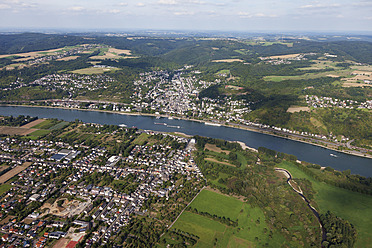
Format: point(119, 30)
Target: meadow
point(351, 206)
point(251, 231)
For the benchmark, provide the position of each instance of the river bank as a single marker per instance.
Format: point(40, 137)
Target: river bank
point(229, 125)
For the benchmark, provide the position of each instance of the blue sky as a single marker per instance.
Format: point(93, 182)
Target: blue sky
point(232, 15)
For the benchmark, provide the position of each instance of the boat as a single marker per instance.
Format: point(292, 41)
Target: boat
point(174, 126)
point(212, 124)
point(160, 123)
point(122, 125)
point(333, 155)
point(158, 117)
point(170, 117)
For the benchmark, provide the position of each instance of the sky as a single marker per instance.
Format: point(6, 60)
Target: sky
point(198, 15)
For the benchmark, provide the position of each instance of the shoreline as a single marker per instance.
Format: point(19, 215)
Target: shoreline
point(241, 127)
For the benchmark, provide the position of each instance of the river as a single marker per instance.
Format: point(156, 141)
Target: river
point(303, 151)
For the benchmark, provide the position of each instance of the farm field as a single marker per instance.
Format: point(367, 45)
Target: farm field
point(340, 73)
point(351, 206)
point(16, 130)
point(251, 230)
point(227, 60)
point(94, 70)
point(293, 109)
point(112, 53)
point(38, 133)
point(14, 172)
point(34, 123)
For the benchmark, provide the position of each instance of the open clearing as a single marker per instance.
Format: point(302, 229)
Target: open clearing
point(214, 148)
point(113, 53)
point(16, 130)
point(287, 56)
point(30, 55)
point(227, 60)
point(340, 73)
point(293, 109)
point(321, 65)
point(68, 58)
point(347, 85)
point(219, 162)
point(14, 172)
point(94, 70)
point(33, 123)
point(212, 231)
point(67, 209)
point(351, 206)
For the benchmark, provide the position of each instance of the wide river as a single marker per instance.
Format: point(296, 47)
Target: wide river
point(303, 151)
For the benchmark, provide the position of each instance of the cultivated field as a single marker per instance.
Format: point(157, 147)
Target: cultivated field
point(287, 56)
point(94, 70)
point(294, 109)
point(68, 58)
point(16, 130)
point(29, 55)
point(348, 84)
point(14, 172)
point(214, 148)
point(113, 53)
point(33, 123)
point(227, 60)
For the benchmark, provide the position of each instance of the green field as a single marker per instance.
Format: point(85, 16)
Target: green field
point(45, 124)
point(351, 206)
point(340, 73)
point(94, 70)
point(140, 140)
point(5, 188)
point(227, 72)
point(252, 230)
point(59, 125)
point(38, 133)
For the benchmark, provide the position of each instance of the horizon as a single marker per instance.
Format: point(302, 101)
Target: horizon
point(345, 16)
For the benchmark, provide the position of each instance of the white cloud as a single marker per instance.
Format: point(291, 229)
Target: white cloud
point(167, 2)
point(320, 6)
point(183, 13)
point(4, 6)
point(123, 4)
point(113, 11)
point(77, 8)
point(258, 15)
point(140, 5)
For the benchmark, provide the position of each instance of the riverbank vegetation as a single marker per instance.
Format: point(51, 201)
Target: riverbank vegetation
point(351, 206)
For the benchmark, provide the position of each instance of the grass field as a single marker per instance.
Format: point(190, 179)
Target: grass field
point(43, 124)
point(351, 206)
point(251, 231)
point(94, 70)
point(340, 73)
point(227, 60)
point(140, 140)
point(38, 133)
point(59, 125)
point(5, 188)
